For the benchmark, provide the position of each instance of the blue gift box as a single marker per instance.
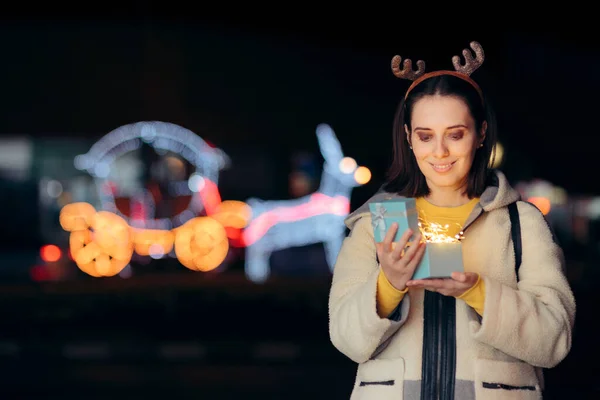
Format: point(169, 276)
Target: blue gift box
point(439, 259)
point(385, 212)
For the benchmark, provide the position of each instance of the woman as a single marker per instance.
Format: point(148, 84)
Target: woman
point(482, 334)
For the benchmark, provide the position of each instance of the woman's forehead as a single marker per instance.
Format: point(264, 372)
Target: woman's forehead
point(440, 111)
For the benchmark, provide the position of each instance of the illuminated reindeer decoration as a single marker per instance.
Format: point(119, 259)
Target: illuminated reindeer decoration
point(315, 218)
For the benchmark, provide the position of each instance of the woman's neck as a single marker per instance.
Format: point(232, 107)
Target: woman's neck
point(447, 198)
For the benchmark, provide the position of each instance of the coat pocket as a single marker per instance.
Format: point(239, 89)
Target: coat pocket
point(504, 380)
point(379, 379)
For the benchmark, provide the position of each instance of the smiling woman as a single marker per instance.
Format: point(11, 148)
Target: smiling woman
point(485, 332)
point(444, 141)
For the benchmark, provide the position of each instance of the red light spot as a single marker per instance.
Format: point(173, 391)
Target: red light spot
point(50, 253)
point(39, 273)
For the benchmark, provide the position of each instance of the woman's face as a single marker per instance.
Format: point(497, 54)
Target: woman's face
point(444, 140)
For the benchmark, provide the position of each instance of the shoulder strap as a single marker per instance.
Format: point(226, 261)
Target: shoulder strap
point(515, 231)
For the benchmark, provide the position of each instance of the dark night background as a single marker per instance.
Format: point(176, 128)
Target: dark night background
point(257, 91)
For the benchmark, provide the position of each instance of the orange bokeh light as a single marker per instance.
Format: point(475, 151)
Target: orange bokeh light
point(50, 253)
point(362, 175)
point(542, 203)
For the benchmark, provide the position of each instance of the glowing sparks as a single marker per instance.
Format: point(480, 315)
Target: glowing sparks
point(437, 233)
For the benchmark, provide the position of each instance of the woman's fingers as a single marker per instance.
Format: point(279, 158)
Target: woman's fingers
point(412, 249)
point(400, 245)
point(389, 237)
point(416, 256)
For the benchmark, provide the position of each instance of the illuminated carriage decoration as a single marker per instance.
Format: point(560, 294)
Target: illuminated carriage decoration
point(103, 242)
point(207, 160)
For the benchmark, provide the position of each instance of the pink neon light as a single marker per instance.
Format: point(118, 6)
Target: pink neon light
point(138, 211)
point(211, 198)
point(318, 204)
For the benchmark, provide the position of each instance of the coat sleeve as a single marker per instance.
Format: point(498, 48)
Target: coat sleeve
point(533, 322)
point(355, 328)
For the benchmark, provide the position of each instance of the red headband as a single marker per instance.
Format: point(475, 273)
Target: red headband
point(438, 73)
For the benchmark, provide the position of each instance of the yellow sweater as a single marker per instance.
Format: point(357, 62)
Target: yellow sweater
point(388, 297)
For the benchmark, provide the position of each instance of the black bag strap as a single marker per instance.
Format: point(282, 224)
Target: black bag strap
point(515, 231)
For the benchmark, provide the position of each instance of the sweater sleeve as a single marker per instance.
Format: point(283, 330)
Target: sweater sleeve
point(388, 297)
point(475, 296)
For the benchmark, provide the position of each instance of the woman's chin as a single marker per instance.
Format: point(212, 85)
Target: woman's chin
point(445, 182)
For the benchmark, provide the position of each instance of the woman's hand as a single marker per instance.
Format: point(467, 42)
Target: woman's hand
point(455, 286)
point(397, 263)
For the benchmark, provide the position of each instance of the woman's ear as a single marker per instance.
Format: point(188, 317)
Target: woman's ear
point(484, 127)
point(407, 136)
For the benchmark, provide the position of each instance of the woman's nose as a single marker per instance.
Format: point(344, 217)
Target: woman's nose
point(440, 150)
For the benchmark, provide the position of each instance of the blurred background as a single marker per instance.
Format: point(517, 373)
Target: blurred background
point(161, 120)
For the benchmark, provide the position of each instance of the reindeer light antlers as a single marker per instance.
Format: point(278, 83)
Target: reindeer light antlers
point(471, 64)
point(407, 71)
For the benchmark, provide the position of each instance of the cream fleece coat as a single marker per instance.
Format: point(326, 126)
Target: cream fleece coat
point(525, 326)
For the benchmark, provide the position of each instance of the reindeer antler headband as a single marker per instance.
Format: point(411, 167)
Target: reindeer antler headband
point(461, 71)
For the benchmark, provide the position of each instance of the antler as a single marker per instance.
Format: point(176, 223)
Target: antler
point(471, 64)
point(407, 72)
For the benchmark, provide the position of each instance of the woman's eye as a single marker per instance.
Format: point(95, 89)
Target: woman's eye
point(424, 138)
